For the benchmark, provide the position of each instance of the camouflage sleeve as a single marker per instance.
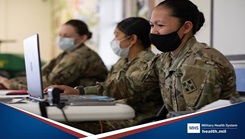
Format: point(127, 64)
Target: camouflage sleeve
point(146, 78)
point(18, 83)
point(142, 77)
point(47, 68)
point(91, 90)
point(65, 71)
point(94, 90)
point(207, 80)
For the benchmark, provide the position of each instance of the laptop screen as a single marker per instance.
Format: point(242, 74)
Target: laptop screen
point(33, 67)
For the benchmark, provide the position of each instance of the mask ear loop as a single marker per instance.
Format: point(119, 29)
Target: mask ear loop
point(124, 40)
point(178, 30)
point(130, 44)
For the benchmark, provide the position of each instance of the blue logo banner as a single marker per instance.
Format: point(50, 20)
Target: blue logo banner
point(17, 124)
point(223, 123)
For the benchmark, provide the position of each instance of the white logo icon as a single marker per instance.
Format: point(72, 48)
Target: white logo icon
point(193, 127)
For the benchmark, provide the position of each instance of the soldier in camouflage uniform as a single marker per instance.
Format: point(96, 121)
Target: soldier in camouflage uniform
point(132, 44)
point(76, 65)
point(191, 74)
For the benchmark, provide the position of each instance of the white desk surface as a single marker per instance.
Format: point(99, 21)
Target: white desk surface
point(76, 113)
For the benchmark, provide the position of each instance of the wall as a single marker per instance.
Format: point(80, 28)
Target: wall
point(204, 35)
point(228, 34)
point(108, 23)
point(22, 18)
point(229, 26)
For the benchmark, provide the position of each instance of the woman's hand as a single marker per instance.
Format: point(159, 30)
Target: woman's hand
point(4, 83)
point(67, 90)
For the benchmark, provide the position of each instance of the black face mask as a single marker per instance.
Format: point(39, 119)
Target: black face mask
point(166, 43)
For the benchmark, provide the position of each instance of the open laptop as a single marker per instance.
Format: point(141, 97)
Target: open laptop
point(33, 68)
point(34, 78)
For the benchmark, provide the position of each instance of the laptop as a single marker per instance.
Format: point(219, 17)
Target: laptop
point(34, 79)
point(33, 68)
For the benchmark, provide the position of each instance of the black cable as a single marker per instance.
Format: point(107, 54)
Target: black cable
point(54, 95)
point(61, 106)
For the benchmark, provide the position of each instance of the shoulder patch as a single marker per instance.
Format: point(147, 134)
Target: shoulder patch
point(189, 86)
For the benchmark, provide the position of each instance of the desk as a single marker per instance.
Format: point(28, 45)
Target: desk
point(77, 113)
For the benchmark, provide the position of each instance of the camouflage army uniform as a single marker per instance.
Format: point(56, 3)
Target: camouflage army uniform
point(145, 104)
point(81, 66)
point(196, 77)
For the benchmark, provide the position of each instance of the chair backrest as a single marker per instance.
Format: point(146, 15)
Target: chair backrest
point(162, 114)
point(240, 80)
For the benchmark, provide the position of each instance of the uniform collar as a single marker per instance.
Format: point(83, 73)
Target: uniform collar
point(180, 57)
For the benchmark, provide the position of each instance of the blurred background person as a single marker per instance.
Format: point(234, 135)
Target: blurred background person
point(76, 65)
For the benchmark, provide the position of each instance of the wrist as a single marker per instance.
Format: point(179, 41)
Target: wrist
point(80, 89)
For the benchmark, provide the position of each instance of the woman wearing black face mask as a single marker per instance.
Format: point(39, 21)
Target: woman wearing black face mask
point(190, 74)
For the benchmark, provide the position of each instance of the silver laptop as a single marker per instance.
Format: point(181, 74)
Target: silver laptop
point(33, 68)
point(34, 78)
